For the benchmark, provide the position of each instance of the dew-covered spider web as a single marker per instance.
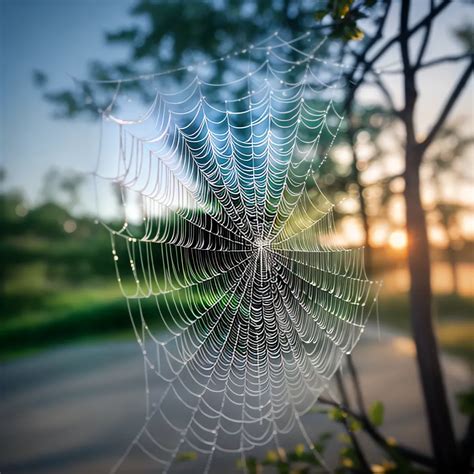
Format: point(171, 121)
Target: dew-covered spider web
point(241, 295)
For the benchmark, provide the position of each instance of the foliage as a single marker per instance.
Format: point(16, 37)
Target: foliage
point(301, 460)
point(163, 44)
point(187, 456)
point(166, 35)
point(298, 460)
point(57, 289)
point(466, 402)
point(465, 35)
point(345, 15)
point(376, 412)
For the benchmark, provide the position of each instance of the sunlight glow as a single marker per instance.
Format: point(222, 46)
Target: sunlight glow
point(398, 239)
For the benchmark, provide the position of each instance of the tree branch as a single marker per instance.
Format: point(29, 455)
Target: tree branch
point(426, 39)
point(360, 454)
point(357, 386)
point(361, 57)
point(386, 93)
point(386, 180)
point(467, 444)
point(434, 62)
point(446, 59)
point(404, 18)
point(448, 106)
point(423, 22)
point(379, 439)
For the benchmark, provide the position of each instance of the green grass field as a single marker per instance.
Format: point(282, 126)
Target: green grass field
point(82, 312)
point(59, 288)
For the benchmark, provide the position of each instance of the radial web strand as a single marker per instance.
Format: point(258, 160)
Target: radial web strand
point(241, 296)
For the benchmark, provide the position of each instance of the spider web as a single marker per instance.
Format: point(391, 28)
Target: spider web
point(242, 299)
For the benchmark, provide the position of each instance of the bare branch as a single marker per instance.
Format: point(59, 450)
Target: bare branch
point(404, 19)
point(379, 438)
point(357, 386)
point(426, 39)
point(467, 443)
point(360, 454)
point(361, 57)
point(385, 180)
point(386, 93)
point(448, 106)
point(392, 41)
point(434, 62)
point(446, 59)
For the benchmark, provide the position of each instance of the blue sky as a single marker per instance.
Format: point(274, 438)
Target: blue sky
point(61, 36)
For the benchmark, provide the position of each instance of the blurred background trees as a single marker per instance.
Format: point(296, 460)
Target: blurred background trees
point(405, 205)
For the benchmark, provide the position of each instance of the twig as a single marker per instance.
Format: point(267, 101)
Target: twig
point(361, 57)
point(448, 106)
point(451, 58)
point(357, 386)
point(380, 439)
point(360, 454)
point(383, 88)
point(467, 445)
point(426, 39)
point(392, 41)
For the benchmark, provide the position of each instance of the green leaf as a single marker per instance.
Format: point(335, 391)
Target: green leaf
point(357, 34)
point(325, 436)
point(187, 456)
point(283, 468)
point(376, 413)
point(320, 14)
point(336, 414)
point(466, 402)
point(299, 449)
point(344, 438)
point(359, 15)
point(355, 425)
point(271, 457)
point(344, 10)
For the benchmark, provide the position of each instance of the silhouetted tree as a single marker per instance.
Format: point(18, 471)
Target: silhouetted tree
point(176, 31)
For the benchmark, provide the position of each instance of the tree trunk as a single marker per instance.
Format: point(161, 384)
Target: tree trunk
point(351, 134)
point(441, 431)
point(450, 251)
point(454, 268)
point(365, 223)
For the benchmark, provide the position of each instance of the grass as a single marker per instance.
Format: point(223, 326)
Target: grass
point(454, 321)
point(457, 338)
point(71, 315)
point(59, 288)
point(85, 313)
point(41, 330)
point(48, 301)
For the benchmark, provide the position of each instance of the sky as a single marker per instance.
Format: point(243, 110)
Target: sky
point(58, 37)
point(61, 36)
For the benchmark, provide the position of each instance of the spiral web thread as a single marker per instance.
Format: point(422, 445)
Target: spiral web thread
point(240, 294)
